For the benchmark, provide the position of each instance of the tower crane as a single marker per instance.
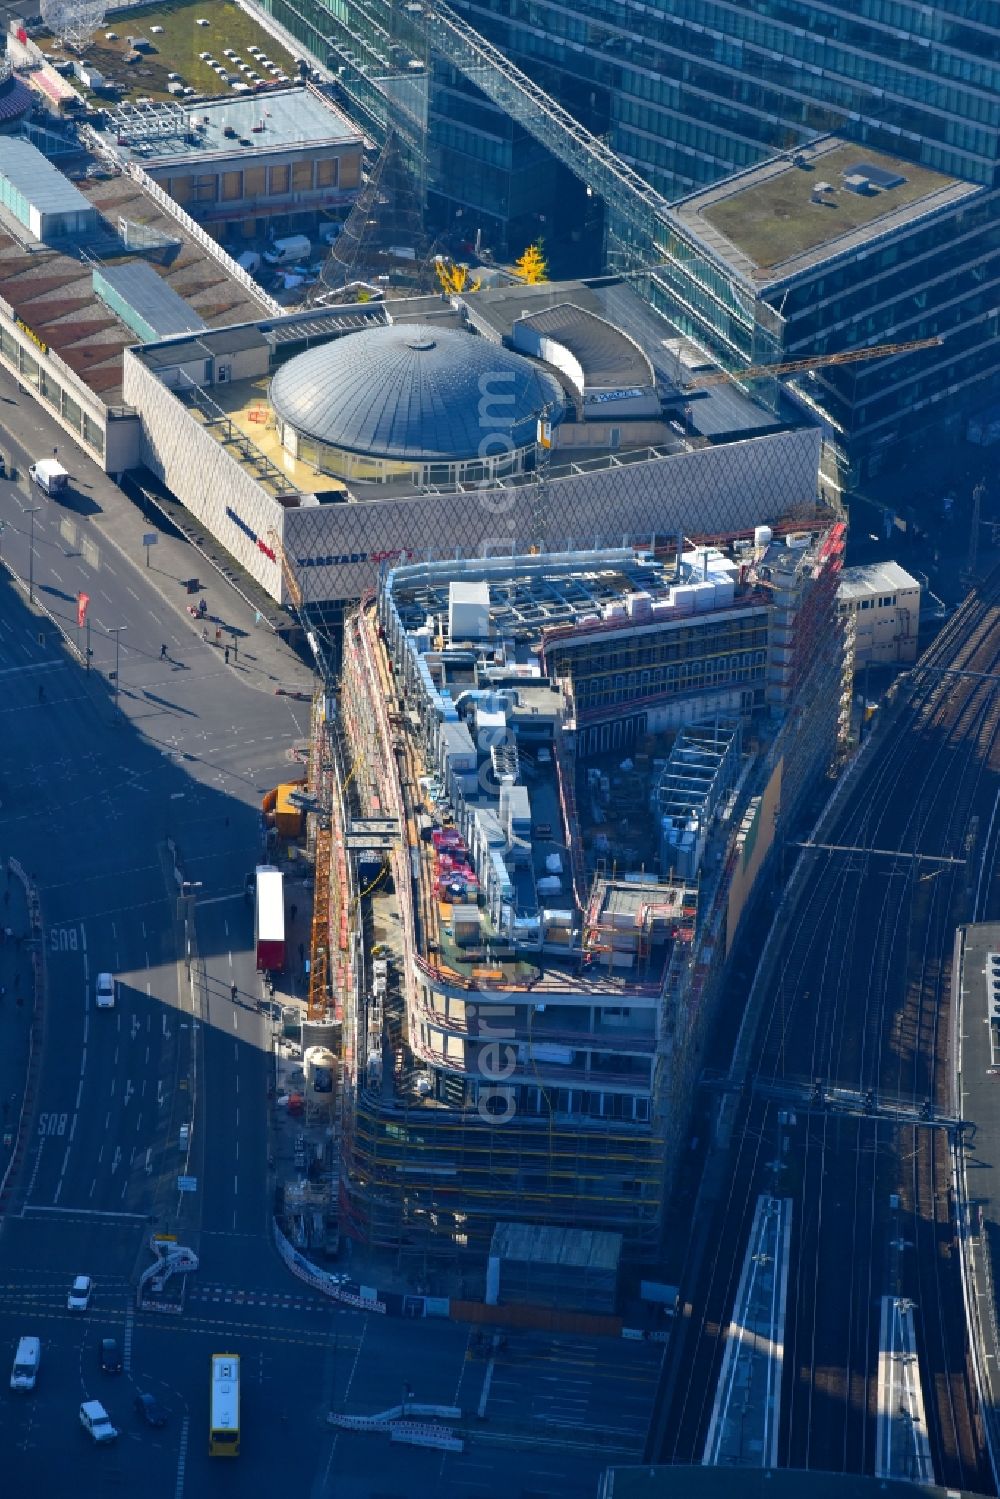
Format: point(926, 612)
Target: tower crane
point(819, 361)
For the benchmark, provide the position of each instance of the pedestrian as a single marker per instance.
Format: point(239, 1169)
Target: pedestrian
point(163, 653)
point(218, 634)
point(204, 635)
point(292, 910)
point(233, 991)
point(227, 655)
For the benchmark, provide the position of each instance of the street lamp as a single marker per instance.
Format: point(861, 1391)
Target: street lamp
point(32, 511)
point(116, 631)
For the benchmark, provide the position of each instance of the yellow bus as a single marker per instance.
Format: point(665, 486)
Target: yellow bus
point(224, 1395)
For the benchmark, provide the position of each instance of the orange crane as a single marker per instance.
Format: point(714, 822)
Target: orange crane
point(820, 361)
point(287, 573)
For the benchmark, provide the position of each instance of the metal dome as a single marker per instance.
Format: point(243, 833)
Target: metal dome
point(411, 391)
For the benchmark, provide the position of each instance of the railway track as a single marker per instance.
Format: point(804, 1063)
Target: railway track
point(861, 999)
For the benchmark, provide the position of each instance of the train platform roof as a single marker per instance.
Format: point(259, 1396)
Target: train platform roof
point(700, 1482)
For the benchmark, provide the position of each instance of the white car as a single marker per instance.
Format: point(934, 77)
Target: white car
point(104, 991)
point(95, 1419)
point(78, 1299)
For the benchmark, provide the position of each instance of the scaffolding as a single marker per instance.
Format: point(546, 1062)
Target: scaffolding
point(319, 783)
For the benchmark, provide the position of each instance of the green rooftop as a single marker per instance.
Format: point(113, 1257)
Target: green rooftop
point(772, 218)
point(174, 49)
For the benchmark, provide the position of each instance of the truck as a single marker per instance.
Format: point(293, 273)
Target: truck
point(288, 251)
point(269, 919)
point(49, 475)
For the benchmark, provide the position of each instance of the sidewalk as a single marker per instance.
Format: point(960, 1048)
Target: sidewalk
point(97, 510)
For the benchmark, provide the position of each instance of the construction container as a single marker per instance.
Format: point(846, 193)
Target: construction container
point(288, 817)
point(465, 925)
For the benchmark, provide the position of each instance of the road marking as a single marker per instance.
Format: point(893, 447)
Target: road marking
point(149, 1159)
point(86, 1212)
point(182, 1458)
point(235, 1020)
point(79, 1093)
point(116, 1158)
point(83, 1061)
point(34, 1169)
point(127, 1341)
point(236, 1186)
point(159, 1094)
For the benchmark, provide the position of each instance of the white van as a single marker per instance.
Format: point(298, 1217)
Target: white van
point(26, 1362)
point(104, 991)
point(49, 475)
point(288, 251)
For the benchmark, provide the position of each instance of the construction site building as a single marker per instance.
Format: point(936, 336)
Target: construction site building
point(584, 755)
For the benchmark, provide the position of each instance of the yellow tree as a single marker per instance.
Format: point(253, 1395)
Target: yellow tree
point(454, 279)
point(532, 266)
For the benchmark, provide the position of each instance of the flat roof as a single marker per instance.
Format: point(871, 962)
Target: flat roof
point(873, 577)
point(764, 225)
point(573, 1248)
point(156, 303)
point(277, 120)
point(719, 409)
point(52, 291)
point(37, 180)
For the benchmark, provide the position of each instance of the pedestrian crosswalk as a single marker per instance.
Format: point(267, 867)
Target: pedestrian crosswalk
point(219, 1294)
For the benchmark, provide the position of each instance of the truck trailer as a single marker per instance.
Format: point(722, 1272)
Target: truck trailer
point(269, 919)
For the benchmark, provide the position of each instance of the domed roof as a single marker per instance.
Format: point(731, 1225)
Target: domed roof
point(412, 391)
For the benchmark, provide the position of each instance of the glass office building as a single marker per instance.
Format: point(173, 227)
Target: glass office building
point(694, 92)
point(691, 92)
